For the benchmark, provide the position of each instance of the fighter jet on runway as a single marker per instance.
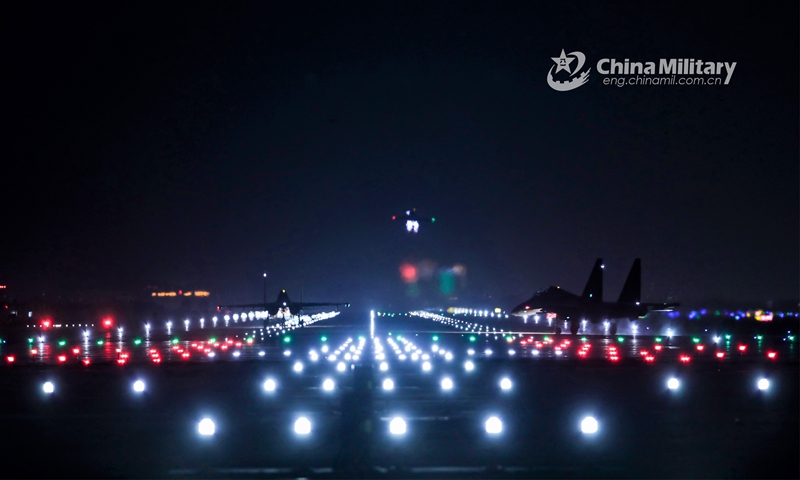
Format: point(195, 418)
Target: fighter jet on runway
point(282, 304)
point(590, 305)
point(412, 220)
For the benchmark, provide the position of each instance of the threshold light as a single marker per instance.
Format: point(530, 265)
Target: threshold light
point(206, 427)
point(589, 425)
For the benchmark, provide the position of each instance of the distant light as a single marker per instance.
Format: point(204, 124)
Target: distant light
point(397, 426)
point(494, 425)
point(327, 385)
point(488, 351)
point(388, 384)
point(589, 425)
point(206, 427)
point(261, 353)
point(505, 384)
point(302, 426)
point(469, 366)
point(298, 367)
point(763, 384)
point(673, 383)
point(48, 387)
point(138, 386)
point(447, 384)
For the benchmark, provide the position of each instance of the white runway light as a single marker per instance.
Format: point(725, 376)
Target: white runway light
point(426, 366)
point(447, 384)
point(138, 386)
point(494, 425)
point(298, 367)
point(302, 426)
point(388, 384)
point(206, 427)
point(48, 387)
point(270, 385)
point(763, 384)
point(327, 385)
point(589, 425)
point(673, 383)
point(505, 384)
point(384, 366)
point(469, 366)
point(397, 426)
point(341, 366)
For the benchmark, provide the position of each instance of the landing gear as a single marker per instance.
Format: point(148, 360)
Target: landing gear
point(613, 329)
point(574, 327)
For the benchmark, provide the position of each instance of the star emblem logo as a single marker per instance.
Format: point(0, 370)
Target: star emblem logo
point(563, 62)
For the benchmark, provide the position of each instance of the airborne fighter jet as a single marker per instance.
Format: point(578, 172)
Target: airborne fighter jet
point(590, 305)
point(412, 220)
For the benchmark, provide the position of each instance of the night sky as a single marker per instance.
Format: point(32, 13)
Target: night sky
point(197, 145)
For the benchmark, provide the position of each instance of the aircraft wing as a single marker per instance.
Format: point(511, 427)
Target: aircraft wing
point(249, 305)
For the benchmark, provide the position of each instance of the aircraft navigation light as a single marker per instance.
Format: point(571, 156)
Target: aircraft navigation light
point(302, 426)
point(494, 425)
point(397, 426)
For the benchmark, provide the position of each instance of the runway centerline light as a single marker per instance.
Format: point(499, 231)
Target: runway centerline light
point(494, 425)
point(397, 426)
point(302, 426)
point(206, 427)
point(138, 386)
point(589, 425)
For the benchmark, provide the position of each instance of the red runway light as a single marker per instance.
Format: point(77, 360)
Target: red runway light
point(34, 351)
point(650, 358)
point(742, 348)
point(86, 361)
point(720, 355)
point(121, 361)
point(62, 358)
point(658, 348)
point(700, 348)
point(46, 323)
point(685, 358)
point(10, 359)
point(185, 355)
point(772, 355)
point(76, 350)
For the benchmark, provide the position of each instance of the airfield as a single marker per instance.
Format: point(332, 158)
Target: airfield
point(403, 396)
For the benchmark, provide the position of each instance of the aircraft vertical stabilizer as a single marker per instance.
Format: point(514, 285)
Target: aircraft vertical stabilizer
point(632, 290)
point(594, 286)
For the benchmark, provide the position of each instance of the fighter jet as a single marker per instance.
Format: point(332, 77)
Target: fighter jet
point(558, 303)
point(283, 304)
point(412, 220)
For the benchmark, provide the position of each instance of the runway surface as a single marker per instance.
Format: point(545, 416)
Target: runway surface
point(472, 405)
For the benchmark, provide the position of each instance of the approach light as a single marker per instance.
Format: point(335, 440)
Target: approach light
point(494, 425)
point(206, 427)
point(673, 383)
point(397, 426)
point(589, 425)
point(302, 426)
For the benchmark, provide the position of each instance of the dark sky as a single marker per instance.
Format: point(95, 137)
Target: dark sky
point(194, 145)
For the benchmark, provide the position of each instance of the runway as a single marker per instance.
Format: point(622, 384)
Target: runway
point(472, 405)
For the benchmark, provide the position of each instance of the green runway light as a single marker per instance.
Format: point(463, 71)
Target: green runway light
point(324, 338)
point(212, 340)
point(759, 337)
point(727, 337)
point(61, 343)
point(546, 338)
point(658, 339)
point(137, 341)
point(433, 219)
point(361, 337)
point(175, 341)
point(30, 340)
point(472, 338)
point(583, 339)
point(100, 342)
point(287, 339)
point(620, 339)
point(436, 338)
point(695, 339)
point(791, 338)
point(716, 313)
